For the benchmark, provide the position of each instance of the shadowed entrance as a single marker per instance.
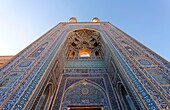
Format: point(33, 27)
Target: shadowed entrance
point(85, 108)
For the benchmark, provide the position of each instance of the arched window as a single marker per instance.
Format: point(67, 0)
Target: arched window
point(44, 101)
point(72, 54)
point(84, 53)
point(97, 54)
point(126, 98)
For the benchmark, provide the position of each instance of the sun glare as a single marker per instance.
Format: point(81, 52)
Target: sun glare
point(84, 53)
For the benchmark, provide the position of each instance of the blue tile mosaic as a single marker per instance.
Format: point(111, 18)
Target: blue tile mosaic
point(25, 74)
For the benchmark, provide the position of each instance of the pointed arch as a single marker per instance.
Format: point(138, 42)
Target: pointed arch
point(44, 102)
point(83, 43)
point(125, 98)
point(85, 93)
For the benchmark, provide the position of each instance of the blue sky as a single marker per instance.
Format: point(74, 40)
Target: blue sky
point(22, 22)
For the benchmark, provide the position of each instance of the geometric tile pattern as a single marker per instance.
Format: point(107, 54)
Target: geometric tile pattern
point(144, 62)
point(78, 87)
point(24, 64)
point(85, 64)
point(8, 84)
point(160, 77)
point(30, 87)
point(31, 74)
point(85, 93)
point(162, 101)
point(145, 73)
point(145, 96)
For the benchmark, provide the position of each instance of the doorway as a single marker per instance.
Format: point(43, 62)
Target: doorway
point(85, 108)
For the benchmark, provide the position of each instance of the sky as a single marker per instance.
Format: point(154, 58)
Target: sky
point(22, 22)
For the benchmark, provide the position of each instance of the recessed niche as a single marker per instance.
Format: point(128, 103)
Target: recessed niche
point(84, 53)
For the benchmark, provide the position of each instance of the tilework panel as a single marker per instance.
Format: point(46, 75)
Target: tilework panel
point(37, 52)
point(85, 93)
point(24, 64)
point(144, 62)
point(9, 83)
point(167, 88)
point(44, 50)
point(145, 96)
point(6, 85)
point(72, 79)
point(141, 46)
point(85, 64)
point(27, 51)
point(33, 104)
point(160, 77)
point(7, 70)
point(154, 93)
point(41, 71)
point(31, 81)
point(97, 80)
point(132, 51)
point(84, 70)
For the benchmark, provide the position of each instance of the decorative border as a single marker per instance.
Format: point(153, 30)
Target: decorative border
point(145, 96)
point(154, 93)
point(33, 83)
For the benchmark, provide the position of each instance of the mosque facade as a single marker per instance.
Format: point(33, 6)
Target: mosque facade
point(85, 66)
